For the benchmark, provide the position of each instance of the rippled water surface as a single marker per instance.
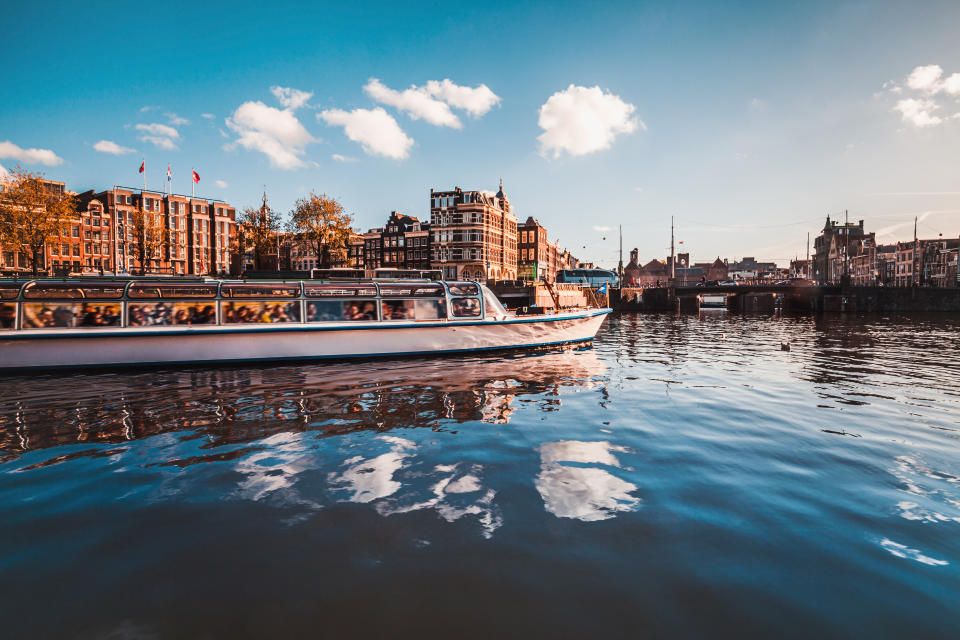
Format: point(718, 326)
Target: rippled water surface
point(684, 477)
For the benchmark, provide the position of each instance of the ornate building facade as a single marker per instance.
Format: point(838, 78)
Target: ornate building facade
point(474, 235)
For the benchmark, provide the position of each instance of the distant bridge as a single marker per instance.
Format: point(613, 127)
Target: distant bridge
point(740, 289)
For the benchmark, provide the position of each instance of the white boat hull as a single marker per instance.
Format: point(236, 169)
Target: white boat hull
point(56, 349)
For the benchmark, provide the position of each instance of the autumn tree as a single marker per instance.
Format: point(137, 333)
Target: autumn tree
point(257, 229)
point(319, 224)
point(32, 211)
point(150, 235)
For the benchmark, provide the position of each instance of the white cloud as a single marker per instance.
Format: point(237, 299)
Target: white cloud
point(929, 89)
point(952, 85)
point(602, 228)
point(176, 120)
point(274, 132)
point(208, 116)
point(159, 130)
point(432, 101)
point(29, 156)
point(925, 78)
point(582, 120)
point(918, 112)
point(161, 142)
point(416, 102)
point(161, 135)
point(4, 174)
point(890, 86)
point(340, 158)
point(221, 183)
point(147, 108)
point(375, 129)
point(474, 100)
point(291, 98)
point(107, 146)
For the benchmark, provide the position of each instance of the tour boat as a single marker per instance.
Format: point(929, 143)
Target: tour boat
point(66, 324)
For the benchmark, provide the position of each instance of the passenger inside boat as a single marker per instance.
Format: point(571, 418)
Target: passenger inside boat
point(162, 314)
point(8, 316)
point(466, 307)
point(397, 309)
point(253, 312)
point(40, 315)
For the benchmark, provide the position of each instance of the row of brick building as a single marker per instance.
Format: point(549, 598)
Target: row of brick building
point(470, 235)
point(846, 251)
point(100, 237)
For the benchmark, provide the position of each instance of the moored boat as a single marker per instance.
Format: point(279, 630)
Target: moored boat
point(66, 324)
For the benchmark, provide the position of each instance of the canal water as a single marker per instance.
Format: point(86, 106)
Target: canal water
point(684, 477)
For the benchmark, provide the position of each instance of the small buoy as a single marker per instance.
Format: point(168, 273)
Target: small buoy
point(784, 346)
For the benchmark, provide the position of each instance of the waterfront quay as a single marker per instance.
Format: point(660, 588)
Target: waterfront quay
point(681, 477)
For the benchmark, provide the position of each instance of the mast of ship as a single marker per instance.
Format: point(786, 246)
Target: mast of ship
point(621, 254)
point(673, 260)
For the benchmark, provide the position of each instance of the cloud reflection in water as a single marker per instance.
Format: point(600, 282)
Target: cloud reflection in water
point(580, 492)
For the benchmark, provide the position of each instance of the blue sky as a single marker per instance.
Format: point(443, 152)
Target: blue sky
point(748, 122)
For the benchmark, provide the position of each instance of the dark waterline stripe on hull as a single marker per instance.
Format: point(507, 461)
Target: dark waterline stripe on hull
point(240, 361)
point(24, 334)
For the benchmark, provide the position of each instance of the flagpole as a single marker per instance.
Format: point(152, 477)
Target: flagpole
point(193, 184)
point(143, 163)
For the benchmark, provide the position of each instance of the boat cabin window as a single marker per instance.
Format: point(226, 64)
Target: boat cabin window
point(412, 290)
point(417, 309)
point(463, 289)
point(424, 301)
point(465, 307)
point(167, 290)
point(148, 314)
point(260, 290)
point(8, 315)
point(69, 315)
point(339, 291)
point(352, 309)
point(259, 311)
point(66, 290)
point(9, 290)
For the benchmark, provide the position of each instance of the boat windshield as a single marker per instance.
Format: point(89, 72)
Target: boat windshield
point(494, 308)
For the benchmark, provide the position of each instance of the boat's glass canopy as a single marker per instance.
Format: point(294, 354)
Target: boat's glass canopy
point(139, 303)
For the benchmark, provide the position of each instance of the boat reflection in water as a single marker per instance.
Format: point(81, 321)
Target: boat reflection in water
point(272, 426)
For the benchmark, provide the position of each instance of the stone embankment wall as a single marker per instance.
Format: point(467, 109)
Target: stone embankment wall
point(807, 300)
point(902, 299)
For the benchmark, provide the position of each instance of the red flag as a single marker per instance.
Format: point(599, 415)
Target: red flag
point(168, 172)
point(141, 166)
point(196, 177)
